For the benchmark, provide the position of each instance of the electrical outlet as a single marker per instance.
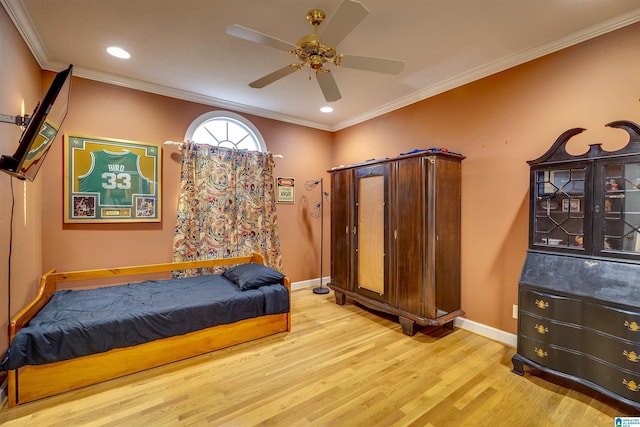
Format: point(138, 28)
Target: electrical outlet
point(515, 311)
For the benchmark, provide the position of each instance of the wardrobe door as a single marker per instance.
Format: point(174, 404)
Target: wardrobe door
point(442, 284)
point(341, 228)
point(409, 233)
point(371, 190)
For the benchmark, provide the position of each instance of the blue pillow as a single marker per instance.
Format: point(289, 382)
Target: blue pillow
point(252, 276)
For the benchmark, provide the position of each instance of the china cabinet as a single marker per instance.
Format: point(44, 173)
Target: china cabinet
point(579, 290)
point(395, 236)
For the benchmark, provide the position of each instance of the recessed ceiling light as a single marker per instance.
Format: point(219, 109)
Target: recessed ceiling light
point(118, 52)
point(326, 109)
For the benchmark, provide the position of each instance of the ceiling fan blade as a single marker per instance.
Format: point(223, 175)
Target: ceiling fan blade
point(379, 65)
point(270, 78)
point(328, 86)
point(346, 18)
point(258, 37)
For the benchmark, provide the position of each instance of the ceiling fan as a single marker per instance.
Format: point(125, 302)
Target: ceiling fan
point(314, 53)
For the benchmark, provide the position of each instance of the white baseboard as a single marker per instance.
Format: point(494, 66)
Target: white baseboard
point(311, 282)
point(490, 332)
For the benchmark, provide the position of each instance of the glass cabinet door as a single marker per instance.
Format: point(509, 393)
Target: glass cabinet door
point(619, 208)
point(559, 208)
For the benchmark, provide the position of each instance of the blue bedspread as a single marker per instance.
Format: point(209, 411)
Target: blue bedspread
point(82, 322)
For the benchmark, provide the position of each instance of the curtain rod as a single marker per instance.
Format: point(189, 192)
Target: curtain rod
point(179, 144)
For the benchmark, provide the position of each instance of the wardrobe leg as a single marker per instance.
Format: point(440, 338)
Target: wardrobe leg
point(408, 326)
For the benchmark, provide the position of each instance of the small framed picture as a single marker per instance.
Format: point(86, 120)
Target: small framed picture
point(286, 190)
point(571, 205)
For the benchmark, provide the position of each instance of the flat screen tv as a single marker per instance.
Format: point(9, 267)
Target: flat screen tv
point(41, 130)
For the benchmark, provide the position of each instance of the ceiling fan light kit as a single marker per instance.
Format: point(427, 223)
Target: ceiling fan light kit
point(313, 53)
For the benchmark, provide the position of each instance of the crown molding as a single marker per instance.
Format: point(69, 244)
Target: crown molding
point(187, 96)
point(25, 27)
point(22, 22)
point(497, 66)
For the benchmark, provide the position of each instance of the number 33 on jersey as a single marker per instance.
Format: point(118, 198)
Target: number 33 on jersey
point(116, 177)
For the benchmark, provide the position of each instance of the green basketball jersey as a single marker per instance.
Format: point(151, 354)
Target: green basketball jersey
point(116, 177)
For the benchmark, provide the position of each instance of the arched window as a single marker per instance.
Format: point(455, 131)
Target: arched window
point(225, 129)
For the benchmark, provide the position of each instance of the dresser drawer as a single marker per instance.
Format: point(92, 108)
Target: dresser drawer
point(618, 352)
point(620, 381)
point(612, 320)
point(548, 355)
point(549, 331)
point(550, 306)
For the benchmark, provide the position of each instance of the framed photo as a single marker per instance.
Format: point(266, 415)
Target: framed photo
point(571, 205)
point(286, 190)
point(110, 180)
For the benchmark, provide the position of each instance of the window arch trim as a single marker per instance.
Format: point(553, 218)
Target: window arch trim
point(231, 116)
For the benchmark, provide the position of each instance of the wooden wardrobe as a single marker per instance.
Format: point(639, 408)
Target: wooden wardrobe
point(395, 236)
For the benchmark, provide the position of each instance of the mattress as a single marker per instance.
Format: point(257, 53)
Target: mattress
point(77, 323)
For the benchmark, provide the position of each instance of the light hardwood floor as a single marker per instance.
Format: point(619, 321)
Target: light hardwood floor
point(340, 366)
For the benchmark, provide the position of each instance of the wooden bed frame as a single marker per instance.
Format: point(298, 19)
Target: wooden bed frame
point(34, 382)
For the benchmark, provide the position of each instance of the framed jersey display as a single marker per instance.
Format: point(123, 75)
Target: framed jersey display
point(110, 180)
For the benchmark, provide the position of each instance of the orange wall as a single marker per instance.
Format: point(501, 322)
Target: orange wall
point(499, 123)
point(20, 90)
point(104, 110)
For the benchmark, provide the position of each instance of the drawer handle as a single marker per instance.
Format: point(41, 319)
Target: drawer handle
point(540, 352)
point(541, 329)
point(632, 326)
point(541, 304)
point(630, 355)
point(631, 385)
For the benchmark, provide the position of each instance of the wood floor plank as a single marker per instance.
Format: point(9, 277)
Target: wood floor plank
point(340, 365)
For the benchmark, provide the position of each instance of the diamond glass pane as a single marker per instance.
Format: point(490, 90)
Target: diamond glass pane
point(559, 208)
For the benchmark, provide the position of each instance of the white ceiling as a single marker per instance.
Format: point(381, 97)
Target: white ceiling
point(180, 49)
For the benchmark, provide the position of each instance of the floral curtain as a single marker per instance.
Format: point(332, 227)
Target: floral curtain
point(226, 206)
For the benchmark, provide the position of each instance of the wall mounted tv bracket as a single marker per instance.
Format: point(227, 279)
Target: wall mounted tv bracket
point(17, 120)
